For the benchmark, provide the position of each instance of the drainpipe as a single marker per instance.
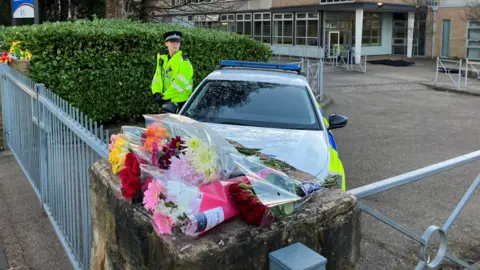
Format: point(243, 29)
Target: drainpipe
point(434, 8)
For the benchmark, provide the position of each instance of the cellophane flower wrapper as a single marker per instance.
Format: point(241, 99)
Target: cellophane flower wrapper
point(193, 209)
point(202, 142)
point(278, 194)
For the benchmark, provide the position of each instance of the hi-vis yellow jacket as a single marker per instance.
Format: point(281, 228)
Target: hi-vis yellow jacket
point(173, 78)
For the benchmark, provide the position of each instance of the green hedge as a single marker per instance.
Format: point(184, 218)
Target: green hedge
point(105, 67)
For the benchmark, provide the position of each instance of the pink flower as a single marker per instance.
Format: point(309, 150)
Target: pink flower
point(163, 223)
point(152, 195)
point(113, 138)
point(155, 150)
point(180, 167)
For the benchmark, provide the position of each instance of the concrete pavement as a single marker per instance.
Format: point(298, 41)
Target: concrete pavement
point(26, 234)
point(395, 126)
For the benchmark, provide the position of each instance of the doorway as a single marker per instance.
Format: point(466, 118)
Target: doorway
point(333, 43)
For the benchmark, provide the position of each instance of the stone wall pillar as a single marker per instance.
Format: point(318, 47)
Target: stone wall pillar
point(123, 237)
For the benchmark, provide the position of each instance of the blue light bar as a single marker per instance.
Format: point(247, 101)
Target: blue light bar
point(264, 65)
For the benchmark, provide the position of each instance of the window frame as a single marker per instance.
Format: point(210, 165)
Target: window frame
point(370, 36)
point(469, 40)
point(243, 21)
point(262, 20)
point(307, 18)
point(280, 17)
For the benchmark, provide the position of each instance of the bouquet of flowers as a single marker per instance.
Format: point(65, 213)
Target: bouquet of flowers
point(5, 58)
point(266, 194)
point(188, 177)
point(175, 168)
point(18, 53)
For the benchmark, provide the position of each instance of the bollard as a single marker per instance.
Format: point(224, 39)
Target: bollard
point(298, 257)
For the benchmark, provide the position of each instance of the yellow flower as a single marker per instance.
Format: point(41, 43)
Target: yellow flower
point(29, 55)
point(117, 155)
point(193, 143)
point(205, 160)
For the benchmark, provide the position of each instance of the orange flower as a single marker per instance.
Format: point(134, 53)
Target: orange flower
point(155, 132)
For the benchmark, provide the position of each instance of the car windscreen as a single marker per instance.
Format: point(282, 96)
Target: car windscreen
point(253, 103)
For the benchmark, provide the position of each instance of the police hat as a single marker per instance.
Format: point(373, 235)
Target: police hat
point(173, 35)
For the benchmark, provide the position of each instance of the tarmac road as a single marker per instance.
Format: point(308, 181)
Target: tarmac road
point(396, 127)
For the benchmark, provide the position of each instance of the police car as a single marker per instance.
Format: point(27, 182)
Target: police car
point(270, 107)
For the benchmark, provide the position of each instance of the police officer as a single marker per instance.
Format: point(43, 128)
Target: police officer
point(173, 79)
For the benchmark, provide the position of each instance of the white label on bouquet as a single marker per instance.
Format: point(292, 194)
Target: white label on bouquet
point(209, 219)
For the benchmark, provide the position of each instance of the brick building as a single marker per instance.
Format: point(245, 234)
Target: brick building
point(367, 27)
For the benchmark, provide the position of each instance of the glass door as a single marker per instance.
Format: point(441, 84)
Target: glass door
point(333, 43)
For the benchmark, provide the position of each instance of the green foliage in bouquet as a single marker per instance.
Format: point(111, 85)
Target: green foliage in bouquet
point(105, 67)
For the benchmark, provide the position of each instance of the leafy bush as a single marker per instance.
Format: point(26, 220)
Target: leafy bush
point(105, 67)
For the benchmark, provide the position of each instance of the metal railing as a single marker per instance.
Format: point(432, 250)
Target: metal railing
point(55, 145)
point(474, 68)
point(360, 66)
point(423, 240)
point(346, 59)
point(314, 73)
point(447, 66)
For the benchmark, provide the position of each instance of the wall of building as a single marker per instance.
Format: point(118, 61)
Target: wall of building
point(386, 48)
point(458, 31)
point(404, 2)
point(287, 3)
point(256, 4)
point(453, 3)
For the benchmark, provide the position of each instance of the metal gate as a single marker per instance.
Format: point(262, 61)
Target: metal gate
point(55, 145)
point(410, 177)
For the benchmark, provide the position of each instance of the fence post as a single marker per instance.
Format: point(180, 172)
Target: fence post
point(320, 78)
point(365, 64)
point(4, 106)
point(436, 72)
point(43, 145)
point(308, 71)
point(459, 73)
point(466, 74)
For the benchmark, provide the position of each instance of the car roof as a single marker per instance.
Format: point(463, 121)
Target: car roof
point(258, 75)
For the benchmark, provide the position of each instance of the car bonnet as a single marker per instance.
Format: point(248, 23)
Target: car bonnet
point(306, 150)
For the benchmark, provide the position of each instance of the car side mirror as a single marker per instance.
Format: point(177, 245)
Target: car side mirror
point(170, 107)
point(337, 121)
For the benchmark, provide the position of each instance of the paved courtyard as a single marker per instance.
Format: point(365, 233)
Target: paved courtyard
point(397, 125)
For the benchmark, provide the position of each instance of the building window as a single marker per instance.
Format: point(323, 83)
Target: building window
point(199, 20)
point(227, 22)
point(244, 24)
point(283, 29)
point(212, 21)
point(261, 27)
point(306, 25)
point(372, 29)
point(473, 40)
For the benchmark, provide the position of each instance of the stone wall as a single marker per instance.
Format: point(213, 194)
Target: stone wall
point(123, 237)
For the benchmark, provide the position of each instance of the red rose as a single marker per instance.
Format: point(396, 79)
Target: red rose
point(136, 168)
point(129, 158)
point(259, 211)
point(130, 184)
